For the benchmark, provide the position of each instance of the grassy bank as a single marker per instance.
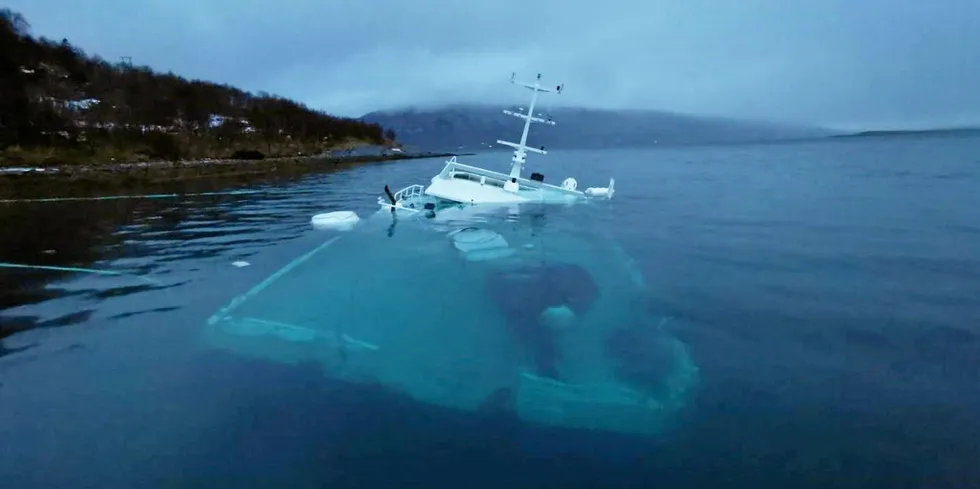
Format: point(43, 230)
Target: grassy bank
point(124, 146)
point(63, 108)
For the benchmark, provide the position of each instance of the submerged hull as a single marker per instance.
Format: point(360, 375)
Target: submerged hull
point(473, 313)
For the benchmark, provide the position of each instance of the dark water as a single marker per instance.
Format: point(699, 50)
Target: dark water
point(830, 293)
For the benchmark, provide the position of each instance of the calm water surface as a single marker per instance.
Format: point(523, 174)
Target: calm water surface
point(829, 291)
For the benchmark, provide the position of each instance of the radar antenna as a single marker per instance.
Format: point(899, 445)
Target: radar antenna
point(521, 149)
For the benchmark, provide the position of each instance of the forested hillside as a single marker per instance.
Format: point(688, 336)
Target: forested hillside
point(59, 105)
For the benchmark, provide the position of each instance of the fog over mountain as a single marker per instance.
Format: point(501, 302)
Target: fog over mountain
point(471, 126)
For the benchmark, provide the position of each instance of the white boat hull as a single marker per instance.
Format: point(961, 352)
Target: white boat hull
point(475, 192)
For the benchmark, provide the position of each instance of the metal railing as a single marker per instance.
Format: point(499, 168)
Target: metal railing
point(405, 193)
point(409, 192)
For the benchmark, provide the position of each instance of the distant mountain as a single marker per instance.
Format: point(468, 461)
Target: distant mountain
point(465, 127)
point(968, 131)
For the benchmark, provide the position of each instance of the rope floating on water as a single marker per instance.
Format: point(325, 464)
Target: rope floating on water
point(237, 301)
point(77, 269)
point(120, 197)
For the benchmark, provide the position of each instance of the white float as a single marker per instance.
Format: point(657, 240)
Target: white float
point(338, 220)
point(602, 191)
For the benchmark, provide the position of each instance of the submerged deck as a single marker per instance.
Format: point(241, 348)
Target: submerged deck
point(444, 324)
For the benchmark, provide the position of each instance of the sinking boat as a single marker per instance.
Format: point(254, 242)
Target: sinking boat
point(459, 183)
point(475, 294)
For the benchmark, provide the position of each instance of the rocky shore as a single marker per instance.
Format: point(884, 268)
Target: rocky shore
point(203, 166)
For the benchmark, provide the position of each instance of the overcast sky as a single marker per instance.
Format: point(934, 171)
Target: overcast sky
point(839, 63)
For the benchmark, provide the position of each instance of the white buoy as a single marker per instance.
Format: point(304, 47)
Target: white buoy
point(240, 264)
point(606, 192)
point(338, 220)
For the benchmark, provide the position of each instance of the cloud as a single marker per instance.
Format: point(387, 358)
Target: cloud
point(832, 62)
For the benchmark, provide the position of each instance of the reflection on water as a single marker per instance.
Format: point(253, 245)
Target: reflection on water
point(144, 246)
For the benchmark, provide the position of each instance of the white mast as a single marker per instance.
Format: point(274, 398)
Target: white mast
point(521, 149)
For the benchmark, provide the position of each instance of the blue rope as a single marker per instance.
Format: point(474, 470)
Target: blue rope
point(237, 301)
point(119, 197)
point(76, 269)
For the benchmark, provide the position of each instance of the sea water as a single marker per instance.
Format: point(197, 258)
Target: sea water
point(826, 291)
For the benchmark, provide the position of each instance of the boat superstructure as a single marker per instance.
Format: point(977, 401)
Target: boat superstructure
point(460, 183)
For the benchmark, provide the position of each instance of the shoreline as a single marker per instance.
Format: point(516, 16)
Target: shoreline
point(203, 164)
point(88, 180)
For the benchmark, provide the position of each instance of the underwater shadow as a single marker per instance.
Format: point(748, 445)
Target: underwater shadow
point(292, 425)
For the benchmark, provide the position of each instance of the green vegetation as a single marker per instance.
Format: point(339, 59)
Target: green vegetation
point(59, 106)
